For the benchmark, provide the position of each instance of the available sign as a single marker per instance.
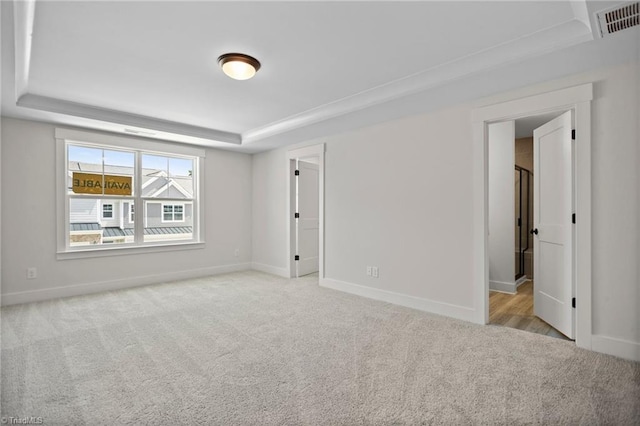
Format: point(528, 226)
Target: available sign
point(90, 183)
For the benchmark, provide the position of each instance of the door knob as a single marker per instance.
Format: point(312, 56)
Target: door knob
point(534, 231)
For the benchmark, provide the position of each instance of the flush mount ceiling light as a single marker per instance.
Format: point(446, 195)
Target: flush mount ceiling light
point(238, 65)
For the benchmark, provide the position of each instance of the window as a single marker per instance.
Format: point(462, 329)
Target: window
point(104, 177)
point(173, 212)
point(107, 211)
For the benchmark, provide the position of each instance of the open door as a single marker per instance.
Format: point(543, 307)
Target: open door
point(552, 218)
point(307, 223)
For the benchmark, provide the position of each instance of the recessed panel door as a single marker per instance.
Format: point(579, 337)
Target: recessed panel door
point(552, 232)
point(307, 224)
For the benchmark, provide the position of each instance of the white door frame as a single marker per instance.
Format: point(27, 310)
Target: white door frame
point(578, 99)
point(292, 155)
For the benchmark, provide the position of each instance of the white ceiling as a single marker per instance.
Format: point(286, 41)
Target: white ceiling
point(151, 66)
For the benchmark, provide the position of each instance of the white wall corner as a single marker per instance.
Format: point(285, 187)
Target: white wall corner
point(503, 287)
point(273, 270)
point(431, 306)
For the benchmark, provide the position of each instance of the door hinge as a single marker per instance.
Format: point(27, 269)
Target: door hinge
point(297, 173)
point(573, 218)
point(519, 222)
point(297, 215)
point(296, 257)
point(573, 134)
point(573, 302)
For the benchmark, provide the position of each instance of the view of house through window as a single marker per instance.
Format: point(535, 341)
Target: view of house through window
point(103, 188)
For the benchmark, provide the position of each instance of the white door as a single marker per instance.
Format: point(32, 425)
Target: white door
point(553, 233)
point(307, 224)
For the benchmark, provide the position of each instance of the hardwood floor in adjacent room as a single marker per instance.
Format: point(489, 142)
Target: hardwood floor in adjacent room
point(516, 311)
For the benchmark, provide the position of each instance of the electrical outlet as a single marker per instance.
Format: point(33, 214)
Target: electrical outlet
point(236, 253)
point(32, 273)
point(374, 272)
point(368, 271)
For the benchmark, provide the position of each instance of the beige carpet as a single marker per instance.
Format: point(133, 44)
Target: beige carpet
point(251, 348)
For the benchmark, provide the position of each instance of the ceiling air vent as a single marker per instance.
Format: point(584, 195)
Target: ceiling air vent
point(619, 18)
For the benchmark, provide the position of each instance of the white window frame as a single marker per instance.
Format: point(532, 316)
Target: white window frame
point(111, 211)
point(66, 137)
point(173, 212)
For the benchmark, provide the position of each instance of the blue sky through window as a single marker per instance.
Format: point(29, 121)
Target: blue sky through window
point(173, 166)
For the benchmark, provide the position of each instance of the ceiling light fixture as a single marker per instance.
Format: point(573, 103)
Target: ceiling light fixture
point(238, 65)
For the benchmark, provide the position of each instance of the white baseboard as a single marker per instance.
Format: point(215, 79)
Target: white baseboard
point(523, 279)
point(616, 347)
point(274, 270)
point(431, 306)
point(97, 287)
point(503, 287)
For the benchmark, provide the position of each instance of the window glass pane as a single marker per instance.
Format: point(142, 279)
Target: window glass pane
point(100, 194)
point(95, 221)
point(168, 220)
point(118, 172)
point(84, 165)
point(97, 171)
point(167, 177)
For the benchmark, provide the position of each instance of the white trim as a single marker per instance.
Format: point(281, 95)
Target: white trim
point(616, 347)
point(127, 143)
point(507, 287)
point(100, 286)
point(426, 305)
point(582, 248)
point(502, 287)
point(558, 100)
point(274, 270)
point(307, 151)
point(128, 249)
point(576, 98)
point(61, 106)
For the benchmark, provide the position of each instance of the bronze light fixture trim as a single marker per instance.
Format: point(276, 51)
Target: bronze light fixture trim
point(238, 65)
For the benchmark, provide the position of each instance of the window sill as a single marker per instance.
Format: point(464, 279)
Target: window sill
point(127, 250)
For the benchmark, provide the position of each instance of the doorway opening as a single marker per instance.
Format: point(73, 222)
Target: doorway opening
point(305, 211)
point(578, 100)
point(511, 303)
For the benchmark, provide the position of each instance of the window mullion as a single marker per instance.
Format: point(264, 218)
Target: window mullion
point(138, 224)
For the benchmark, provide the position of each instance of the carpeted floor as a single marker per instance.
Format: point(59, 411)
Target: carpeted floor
point(251, 348)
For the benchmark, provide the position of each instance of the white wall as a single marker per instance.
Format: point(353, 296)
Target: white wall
point(501, 206)
point(268, 232)
point(29, 224)
point(399, 195)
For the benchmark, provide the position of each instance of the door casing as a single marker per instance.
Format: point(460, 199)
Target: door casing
point(578, 99)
